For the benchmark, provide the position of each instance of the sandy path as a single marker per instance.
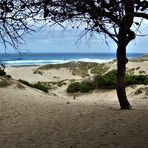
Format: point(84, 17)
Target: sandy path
point(31, 119)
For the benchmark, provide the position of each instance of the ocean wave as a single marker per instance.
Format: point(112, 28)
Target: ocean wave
point(95, 60)
point(56, 61)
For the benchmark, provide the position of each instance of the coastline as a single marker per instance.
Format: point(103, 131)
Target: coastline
point(57, 58)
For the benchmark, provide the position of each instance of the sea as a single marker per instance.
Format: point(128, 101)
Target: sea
point(32, 59)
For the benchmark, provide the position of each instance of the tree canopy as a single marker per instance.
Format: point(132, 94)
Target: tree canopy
point(102, 16)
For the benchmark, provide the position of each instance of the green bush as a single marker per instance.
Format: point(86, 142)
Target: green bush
point(2, 72)
point(136, 79)
point(73, 87)
point(107, 81)
point(86, 86)
point(36, 85)
point(146, 81)
point(25, 82)
point(40, 87)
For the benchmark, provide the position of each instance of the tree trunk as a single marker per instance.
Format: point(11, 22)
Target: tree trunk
point(121, 68)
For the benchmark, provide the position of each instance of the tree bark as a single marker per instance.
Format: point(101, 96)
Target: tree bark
point(121, 68)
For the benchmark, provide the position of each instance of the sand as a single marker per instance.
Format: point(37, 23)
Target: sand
point(27, 73)
point(30, 118)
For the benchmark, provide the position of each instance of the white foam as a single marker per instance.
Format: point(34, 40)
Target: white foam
point(42, 62)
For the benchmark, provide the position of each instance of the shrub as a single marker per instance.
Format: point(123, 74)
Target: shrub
point(107, 81)
point(40, 87)
point(36, 85)
point(86, 86)
point(136, 79)
point(146, 81)
point(2, 72)
point(73, 87)
point(24, 82)
point(8, 76)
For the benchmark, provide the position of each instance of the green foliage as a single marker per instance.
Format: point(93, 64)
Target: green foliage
point(38, 72)
point(131, 71)
point(36, 85)
point(86, 86)
point(77, 68)
point(146, 81)
point(25, 82)
point(136, 79)
point(73, 87)
point(40, 87)
point(107, 81)
point(142, 72)
point(99, 69)
point(61, 83)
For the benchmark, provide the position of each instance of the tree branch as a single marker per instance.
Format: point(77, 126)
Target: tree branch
point(142, 15)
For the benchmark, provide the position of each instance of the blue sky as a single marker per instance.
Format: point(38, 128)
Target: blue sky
point(59, 40)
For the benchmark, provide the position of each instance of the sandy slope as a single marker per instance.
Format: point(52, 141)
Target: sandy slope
point(138, 66)
point(27, 73)
point(32, 119)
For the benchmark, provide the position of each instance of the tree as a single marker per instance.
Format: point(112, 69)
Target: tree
point(113, 18)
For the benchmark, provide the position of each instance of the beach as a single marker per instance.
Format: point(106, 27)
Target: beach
point(30, 118)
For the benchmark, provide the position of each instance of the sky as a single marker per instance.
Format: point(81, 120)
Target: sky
point(57, 40)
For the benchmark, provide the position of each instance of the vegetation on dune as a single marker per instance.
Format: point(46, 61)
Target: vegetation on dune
point(36, 85)
point(73, 87)
point(99, 69)
point(136, 79)
point(136, 60)
point(40, 87)
point(106, 81)
point(4, 82)
point(140, 59)
point(86, 86)
point(2, 72)
point(77, 68)
point(52, 84)
point(25, 82)
point(142, 72)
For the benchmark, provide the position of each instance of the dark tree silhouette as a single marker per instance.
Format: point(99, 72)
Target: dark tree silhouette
point(117, 19)
point(16, 20)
